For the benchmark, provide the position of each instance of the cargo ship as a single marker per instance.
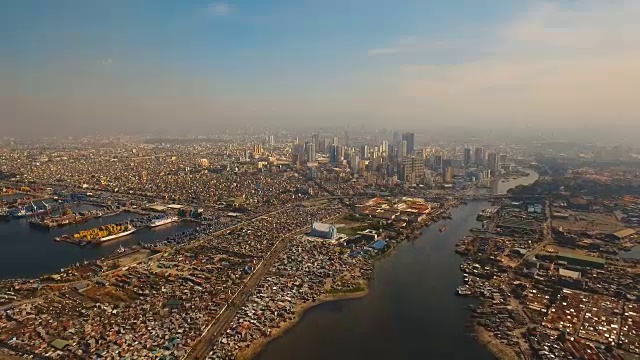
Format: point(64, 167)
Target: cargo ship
point(68, 218)
point(130, 229)
point(104, 233)
point(163, 221)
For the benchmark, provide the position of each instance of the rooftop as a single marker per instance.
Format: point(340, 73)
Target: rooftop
point(624, 233)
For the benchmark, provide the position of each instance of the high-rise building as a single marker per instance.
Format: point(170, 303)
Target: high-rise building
point(396, 137)
point(310, 151)
point(447, 175)
point(323, 147)
point(297, 154)
point(336, 154)
point(272, 140)
point(354, 162)
point(315, 139)
point(335, 141)
point(364, 152)
point(479, 156)
point(402, 149)
point(333, 154)
point(466, 158)
point(437, 161)
point(257, 149)
point(411, 169)
point(410, 138)
point(494, 163)
point(384, 148)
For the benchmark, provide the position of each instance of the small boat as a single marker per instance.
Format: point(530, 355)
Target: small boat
point(464, 290)
point(443, 228)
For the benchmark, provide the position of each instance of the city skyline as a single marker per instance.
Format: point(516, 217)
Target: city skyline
point(79, 67)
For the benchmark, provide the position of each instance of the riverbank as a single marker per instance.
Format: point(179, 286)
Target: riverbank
point(357, 279)
point(498, 349)
point(301, 309)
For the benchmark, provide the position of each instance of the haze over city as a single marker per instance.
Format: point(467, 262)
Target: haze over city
point(335, 179)
point(79, 67)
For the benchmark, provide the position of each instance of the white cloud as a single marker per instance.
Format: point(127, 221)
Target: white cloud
point(555, 64)
point(220, 9)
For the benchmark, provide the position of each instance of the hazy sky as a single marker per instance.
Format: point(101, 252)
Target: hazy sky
point(74, 66)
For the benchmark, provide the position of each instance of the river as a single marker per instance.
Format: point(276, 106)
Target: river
point(410, 312)
point(29, 252)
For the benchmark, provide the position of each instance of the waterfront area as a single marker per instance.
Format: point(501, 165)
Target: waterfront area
point(31, 252)
point(410, 310)
point(256, 267)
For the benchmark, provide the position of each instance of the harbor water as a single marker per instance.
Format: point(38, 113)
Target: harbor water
point(29, 252)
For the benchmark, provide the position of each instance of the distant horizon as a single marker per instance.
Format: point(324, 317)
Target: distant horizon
point(600, 135)
point(76, 67)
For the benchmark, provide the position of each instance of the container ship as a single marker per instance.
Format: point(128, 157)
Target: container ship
point(104, 233)
point(163, 221)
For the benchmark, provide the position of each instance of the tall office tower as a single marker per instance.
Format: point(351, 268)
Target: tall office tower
point(479, 156)
point(466, 158)
point(402, 149)
point(341, 150)
point(272, 140)
point(323, 147)
point(494, 163)
point(335, 141)
point(411, 169)
point(297, 154)
point(333, 154)
point(396, 137)
point(447, 175)
point(315, 139)
point(410, 138)
point(437, 161)
point(353, 163)
point(346, 138)
point(391, 154)
point(384, 148)
point(364, 152)
point(310, 151)
point(257, 149)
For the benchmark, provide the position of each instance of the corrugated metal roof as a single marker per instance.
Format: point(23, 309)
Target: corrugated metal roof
point(624, 233)
point(581, 257)
point(570, 274)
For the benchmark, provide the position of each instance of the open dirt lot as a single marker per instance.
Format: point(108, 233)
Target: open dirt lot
point(584, 221)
